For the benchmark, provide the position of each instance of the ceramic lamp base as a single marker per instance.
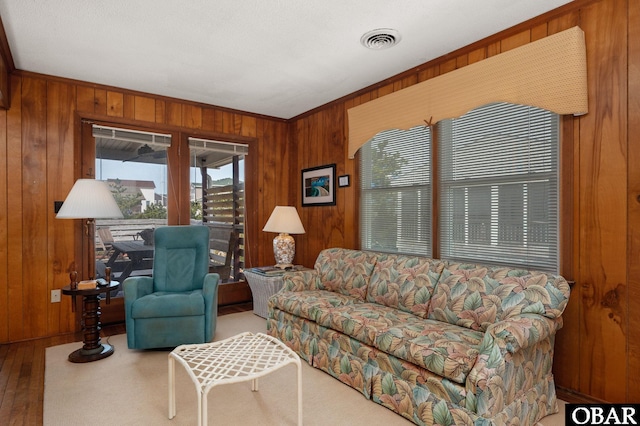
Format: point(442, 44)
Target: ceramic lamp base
point(284, 249)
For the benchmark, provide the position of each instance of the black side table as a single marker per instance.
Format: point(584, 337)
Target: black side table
point(92, 349)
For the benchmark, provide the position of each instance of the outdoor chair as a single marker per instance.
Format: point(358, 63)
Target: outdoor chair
point(179, 303)
point(104, 241)
point(222, 243)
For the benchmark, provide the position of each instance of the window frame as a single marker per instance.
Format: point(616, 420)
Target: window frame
point(565, 208)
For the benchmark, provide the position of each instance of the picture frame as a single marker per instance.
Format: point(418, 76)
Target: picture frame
point(319, 186)
point(343, 181)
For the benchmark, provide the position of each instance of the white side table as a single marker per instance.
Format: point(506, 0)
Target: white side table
point(240, 358)
point(262, 288)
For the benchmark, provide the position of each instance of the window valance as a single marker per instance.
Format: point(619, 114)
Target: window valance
point(550, 73)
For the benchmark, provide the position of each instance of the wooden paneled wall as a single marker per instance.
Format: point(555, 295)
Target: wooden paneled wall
point(40, 158)
point(598, 350)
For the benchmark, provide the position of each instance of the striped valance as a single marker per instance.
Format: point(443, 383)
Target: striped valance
point(550, 73)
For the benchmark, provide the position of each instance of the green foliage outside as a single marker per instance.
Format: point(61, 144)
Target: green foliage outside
point(129, 204)
point(126, 201)
point(153, 211)
point(385, 167)
point(196, 210)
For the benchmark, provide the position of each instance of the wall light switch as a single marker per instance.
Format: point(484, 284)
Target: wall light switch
point(55, 296)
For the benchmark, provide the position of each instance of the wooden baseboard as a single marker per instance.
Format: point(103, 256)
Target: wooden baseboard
point(113, 312)
point(232, 293)
point(574, 397)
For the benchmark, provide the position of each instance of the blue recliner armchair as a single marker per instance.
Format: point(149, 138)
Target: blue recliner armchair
point(179, 303)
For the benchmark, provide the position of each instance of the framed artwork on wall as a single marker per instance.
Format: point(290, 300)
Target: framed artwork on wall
point(343, 181)
point(319, 186)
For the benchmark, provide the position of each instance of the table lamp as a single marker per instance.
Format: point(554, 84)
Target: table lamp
point(284, 220)
point(89, 199)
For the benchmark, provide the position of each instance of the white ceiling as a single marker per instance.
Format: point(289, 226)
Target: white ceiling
point(275, 57)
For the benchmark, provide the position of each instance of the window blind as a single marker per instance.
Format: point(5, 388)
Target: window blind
point(215, 154)
point(136, 136)
point(499, 186)
point(226, 147)
point(395, 183)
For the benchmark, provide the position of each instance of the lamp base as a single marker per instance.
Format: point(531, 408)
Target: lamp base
point(284, 249)
point(283, 265)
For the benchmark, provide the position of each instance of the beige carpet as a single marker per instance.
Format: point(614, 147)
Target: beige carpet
point(130, 388)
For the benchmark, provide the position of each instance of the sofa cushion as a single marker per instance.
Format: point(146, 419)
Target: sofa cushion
point(305, 304)
point(475, 296)
point(404, 282)
point(345, 271)
point(444, 349)
point(361, 321)
point(166, 304)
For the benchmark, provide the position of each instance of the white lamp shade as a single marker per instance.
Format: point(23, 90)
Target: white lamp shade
point(284, 219)
point(89, 199)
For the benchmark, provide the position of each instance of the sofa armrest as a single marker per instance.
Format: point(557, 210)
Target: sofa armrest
point(524, 330)
point(511, 353)
point(300, 280)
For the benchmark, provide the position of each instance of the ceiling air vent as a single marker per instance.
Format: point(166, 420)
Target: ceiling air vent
point(382, 38)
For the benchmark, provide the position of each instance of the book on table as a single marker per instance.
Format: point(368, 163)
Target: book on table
point(273, 271)
point(268, 270)
point(87, 284)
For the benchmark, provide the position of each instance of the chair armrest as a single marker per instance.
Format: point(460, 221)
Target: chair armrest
point(136, 287)
point(514, 355)
point(210, 287)
point(210, 294)
point(300, 280)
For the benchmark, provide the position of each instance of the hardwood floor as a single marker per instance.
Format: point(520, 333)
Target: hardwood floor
point(22, 372)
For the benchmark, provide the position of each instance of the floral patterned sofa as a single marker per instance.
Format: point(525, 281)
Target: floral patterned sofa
point(436, 342)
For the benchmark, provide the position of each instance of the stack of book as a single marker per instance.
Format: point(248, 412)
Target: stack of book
point(268, 271)
point(271, 271)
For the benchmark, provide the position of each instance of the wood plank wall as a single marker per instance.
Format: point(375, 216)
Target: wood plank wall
point(40, 158)
point(598, 350)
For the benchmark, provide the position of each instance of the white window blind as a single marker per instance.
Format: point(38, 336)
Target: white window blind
point(215, 154)
point(499, 186)
point(136, 136)
point(395, 203)
point(226, 147)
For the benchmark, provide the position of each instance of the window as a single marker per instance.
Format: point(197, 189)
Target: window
point(134, 164)
point(217, 200)
point(499, 186)
point(497, 191)
point(395, 188)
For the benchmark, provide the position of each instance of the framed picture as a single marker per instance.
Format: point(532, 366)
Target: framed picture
point(343, 181)
point(319, 186)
